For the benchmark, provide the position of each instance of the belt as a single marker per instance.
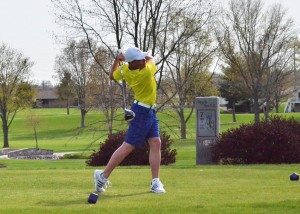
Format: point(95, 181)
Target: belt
point(144, 104)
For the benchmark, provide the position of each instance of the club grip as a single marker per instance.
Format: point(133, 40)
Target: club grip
point(119, 51)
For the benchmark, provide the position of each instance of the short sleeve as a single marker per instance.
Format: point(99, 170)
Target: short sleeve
point(152, 67)
point(117, 74)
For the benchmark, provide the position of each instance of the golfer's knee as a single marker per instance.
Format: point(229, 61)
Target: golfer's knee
point(155, 143)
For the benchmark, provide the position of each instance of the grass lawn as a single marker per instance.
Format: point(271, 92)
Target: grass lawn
point(63, 186)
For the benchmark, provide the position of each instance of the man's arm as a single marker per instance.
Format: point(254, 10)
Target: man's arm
point(115, 65)
point(149, 59)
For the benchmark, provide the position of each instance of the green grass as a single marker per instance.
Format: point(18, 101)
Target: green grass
point(63, 186)
point(62, 132)
point(59, 131)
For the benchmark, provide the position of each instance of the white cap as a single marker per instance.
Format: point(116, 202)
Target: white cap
point(134, 53)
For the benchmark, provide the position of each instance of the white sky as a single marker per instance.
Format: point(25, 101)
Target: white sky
point(28, 26)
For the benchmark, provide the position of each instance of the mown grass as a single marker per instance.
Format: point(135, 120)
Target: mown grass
point(62, 132)
point(63, 186)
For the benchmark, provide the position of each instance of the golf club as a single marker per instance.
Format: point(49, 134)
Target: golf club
point(93, 197)
point(294, 177)
point(129, 114)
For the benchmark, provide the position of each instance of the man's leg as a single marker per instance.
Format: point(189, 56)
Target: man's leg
point(118, 156)
point(155, 156)
point(154, 159)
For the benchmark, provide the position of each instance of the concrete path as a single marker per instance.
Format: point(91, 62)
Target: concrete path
point(58, 154)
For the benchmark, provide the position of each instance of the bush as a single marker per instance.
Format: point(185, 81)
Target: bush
point(140, 156)
point(76, 156)
point(272, 141)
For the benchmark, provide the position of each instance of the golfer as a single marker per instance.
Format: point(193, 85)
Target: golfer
point(139, 74)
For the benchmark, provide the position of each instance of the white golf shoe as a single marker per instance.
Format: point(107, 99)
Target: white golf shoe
point(157, 186)
point(100, 182)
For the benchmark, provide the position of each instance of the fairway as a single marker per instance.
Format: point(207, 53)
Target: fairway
point(63, 186)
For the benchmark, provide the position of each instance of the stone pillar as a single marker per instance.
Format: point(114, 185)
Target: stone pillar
point(208, 127)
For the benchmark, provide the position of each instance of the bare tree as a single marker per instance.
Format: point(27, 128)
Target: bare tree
point(256, 41)
point(15, 92)
point(34, 121)
point(146, 24)
point(77, 61)
point(162, 27)
point(106, 92)
point(190, 61)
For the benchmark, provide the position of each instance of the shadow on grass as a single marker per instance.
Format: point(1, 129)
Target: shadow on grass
point(82, 201)
point(107, 197)
point(63, 203)
point(285, 204)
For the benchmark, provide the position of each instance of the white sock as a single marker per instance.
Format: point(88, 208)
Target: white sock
point(155, 179)
point(105, 179)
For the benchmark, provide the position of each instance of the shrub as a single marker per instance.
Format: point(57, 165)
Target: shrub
point(273, 141)
point(140, 156)
point(76, 156)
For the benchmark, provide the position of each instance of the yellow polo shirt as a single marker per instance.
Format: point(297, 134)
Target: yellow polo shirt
point(142, 82)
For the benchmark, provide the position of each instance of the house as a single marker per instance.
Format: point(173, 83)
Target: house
point(293, 104)
point(48, 98)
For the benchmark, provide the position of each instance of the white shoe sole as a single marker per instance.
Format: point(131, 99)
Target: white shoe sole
point(158, 191)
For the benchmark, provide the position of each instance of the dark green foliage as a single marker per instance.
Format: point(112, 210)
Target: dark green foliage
point(272, 141)
point(140, 156)
point(75, 156)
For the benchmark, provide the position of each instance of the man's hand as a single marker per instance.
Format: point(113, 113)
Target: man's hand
point(120, 55)
point(150, 59)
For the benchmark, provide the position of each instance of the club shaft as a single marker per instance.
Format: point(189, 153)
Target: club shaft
point(123, 86)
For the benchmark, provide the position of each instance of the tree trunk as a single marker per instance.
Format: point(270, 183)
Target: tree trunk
point(277, 101)
point(110, 121)
point(182, 125)
point(267, 109)
point(68, 106)
point(36, 139)
point(256, 110)
point(233, 112)
point(5, 134)
point(277, 107)
point(83, 113)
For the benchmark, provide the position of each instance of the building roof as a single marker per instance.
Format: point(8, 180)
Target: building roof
point(49, 94)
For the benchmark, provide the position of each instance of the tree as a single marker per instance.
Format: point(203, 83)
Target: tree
point(106, 92)
point(186, 72)
point(46, 84)
point(232, 88)
point(15, 92)
point(145, 24)
point(162, 27)
point(77, 61)
point(256, 42)
point(66, 89)
point(34, 121)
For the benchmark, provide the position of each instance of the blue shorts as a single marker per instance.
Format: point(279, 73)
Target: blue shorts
point(145, 125)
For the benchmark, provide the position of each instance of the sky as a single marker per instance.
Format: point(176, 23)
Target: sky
point(28, 26)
